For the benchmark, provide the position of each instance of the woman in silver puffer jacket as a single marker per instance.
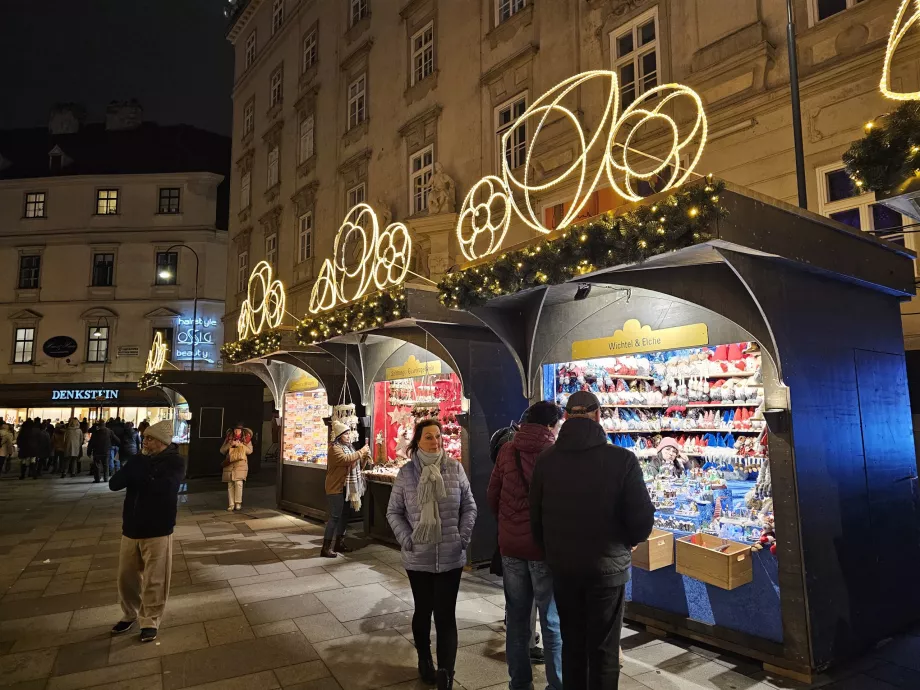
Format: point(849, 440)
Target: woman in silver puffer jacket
point(432, 513)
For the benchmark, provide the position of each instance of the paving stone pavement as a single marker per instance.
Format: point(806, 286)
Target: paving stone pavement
point(254, 607)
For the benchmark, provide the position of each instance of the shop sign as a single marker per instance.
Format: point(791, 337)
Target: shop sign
point(84, 394)
point(635, 337)
point(128, 351)
point(60, 346)
point(413, 368)
point(304, 382)
point(195, 338)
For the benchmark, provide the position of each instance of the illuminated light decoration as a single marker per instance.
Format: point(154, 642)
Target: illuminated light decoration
point(263, 307)
point(478, 216)
point(899, 29)
point(378, 257)
point(156, 358)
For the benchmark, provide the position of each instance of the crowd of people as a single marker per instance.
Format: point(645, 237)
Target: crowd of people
point(42, 446)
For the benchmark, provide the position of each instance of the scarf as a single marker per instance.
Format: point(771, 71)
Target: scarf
point(430, 491)
point(354, 483)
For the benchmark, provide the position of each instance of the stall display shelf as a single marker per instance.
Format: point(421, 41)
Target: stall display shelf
point(684, 431)
point(664, 407)
point(306, 438)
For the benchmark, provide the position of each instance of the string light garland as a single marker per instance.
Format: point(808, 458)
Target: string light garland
point(156, 358)
point(263, 307)
point(148, 380)
point(681, 220)
point(372, 311)
point(263, 343)
point(899, 29)
point(488, 208)
point(889, 152)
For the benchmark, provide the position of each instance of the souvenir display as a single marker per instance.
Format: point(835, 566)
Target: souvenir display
point(306, 436)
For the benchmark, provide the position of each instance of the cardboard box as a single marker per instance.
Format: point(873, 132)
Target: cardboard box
point(655, 552)
point(727, 569)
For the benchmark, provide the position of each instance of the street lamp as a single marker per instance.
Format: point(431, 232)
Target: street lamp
point(165, 274)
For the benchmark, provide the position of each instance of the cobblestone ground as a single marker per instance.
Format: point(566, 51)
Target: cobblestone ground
point(254, 607)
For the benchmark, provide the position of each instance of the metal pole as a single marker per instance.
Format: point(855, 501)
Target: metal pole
point(796, 106)
point(195, 303)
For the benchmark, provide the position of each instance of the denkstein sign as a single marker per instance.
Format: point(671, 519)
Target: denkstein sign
point(85, 394)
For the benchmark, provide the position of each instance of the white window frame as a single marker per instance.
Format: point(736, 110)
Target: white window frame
point(246, 190)
point(242, 271)
point(97, 349)
point(357, 10)
point(813, 11)
point(274, 154)
point(357, 101)
point(420, 179)
point(356, 195)
point(422, 65)
point(305, 237)
point(307, 138)
point(638, 52)
point(34, 205)
point(509, 8)
point(276, 87)
point(310, 50)
point(249, 116)
point(20, 356)
point(501, 129)
point(277, 15)
point(271, 250)
point(250, 49)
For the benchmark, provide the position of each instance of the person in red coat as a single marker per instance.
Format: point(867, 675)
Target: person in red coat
point(526, 576)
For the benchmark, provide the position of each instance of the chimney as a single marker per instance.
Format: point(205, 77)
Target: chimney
point(121, 115)
point(66, 118)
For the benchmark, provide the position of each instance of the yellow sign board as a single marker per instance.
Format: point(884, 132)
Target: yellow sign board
point(413, 368)
point(304, 382)
point(635, 337)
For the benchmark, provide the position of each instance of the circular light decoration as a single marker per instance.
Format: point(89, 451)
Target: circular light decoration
point(264, 305)
point(362, 254)
point(478, 215)
point(156, 358)
point(899, 29)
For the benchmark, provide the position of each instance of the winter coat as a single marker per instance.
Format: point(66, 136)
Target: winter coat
point(44, 444)
point(73, 440)
point(101, 442)
point(6, 442)
point(589, 505)
point(57, 440)
point(28, 440)
point(338, 461)
point(508, 491)
point(458, 515)
point(130, 442)
point(153, 483)
point(236, 462)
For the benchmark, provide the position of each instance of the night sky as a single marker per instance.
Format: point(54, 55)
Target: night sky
point(171, 55)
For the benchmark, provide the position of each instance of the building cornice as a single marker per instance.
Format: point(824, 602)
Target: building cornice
point(60, 180)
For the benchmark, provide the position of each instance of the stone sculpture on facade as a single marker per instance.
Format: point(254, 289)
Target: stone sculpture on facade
point(441, 192)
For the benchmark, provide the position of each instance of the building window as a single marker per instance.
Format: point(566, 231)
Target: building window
point(355, 196)
point(242, 271)
point(822, 9)
point(271, 249)
point(277, 15)
point(306, 138)
point(103, 269)
point(249, 116)
point(169, 200)
point(421, 165)
point(357, 110)
point(358, 11)
point(273, 154)
point(305, 237)
point(24, 346)
point(634, 51)
point(276, 87)
point(97, 344)
point(35, 205)
point(514, 147)
point(839, 198)
point(310, 51)
point(250, 49)
point(106, 202)
point(508, 8)
point(167, 268)
point(423, 53)
point(246, 190)
point(30, 268)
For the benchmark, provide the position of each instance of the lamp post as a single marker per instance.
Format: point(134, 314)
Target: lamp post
point(796, 106)
point(165, 274)
point(105, 358)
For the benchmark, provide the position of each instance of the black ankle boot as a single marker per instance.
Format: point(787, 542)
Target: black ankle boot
point(426, 669)
point(326, 551)
point(445, 679)
point(340, 546)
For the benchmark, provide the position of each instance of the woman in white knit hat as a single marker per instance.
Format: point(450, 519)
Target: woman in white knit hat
point(344, 486)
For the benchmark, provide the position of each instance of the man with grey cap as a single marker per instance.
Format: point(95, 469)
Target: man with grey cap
point(152, 480)
point(588, 508)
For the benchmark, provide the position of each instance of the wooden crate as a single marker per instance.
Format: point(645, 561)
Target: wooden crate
point(726, 569)
point(655, 552)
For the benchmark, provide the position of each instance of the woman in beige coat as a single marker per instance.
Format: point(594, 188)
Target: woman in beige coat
point(237, 446)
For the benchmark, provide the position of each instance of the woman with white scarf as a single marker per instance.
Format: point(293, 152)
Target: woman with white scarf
point(344, 487)
point(432, 513)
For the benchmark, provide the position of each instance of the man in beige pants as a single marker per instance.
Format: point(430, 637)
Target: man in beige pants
point(152, 480)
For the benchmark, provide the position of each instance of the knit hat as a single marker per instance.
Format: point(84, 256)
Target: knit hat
point(339, 428)
point(668, 443)
point(582, 402)
point(161, 431)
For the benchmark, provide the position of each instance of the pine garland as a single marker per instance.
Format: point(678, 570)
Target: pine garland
point(148, 381)
point(889, 153)
point(369, 312)
point(254, 346)
point(681, 220)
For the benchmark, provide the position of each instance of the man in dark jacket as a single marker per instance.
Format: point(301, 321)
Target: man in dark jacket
point(29, 440)
point(99, 449)
point(129, 443)
point(588, 508)
point(152, 480)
